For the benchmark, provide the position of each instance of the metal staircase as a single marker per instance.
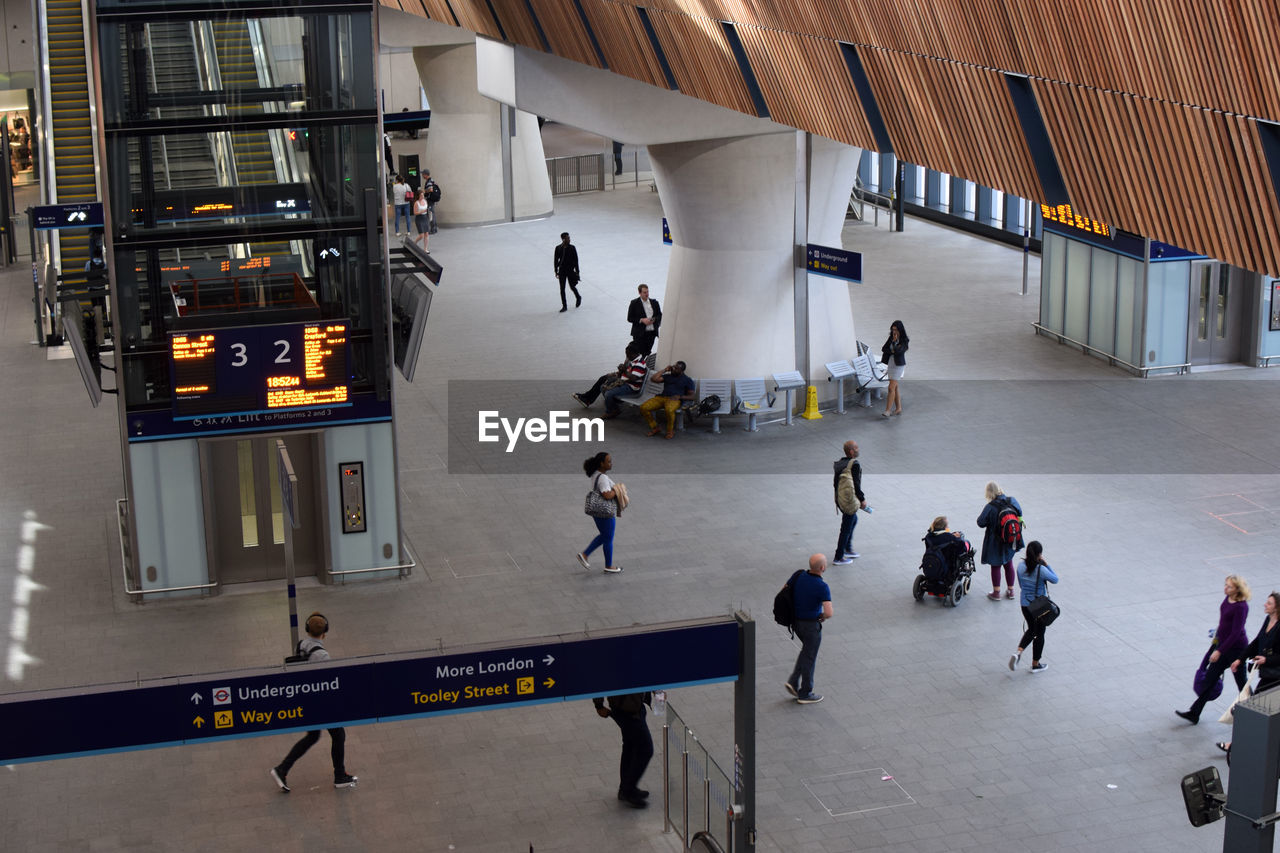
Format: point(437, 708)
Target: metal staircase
point(73, 164)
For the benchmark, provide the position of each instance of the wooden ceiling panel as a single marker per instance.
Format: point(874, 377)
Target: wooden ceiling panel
point(474, 15)
point(806, 84)
point(624, 42)
point(1195, 178)
point(957, 118)
point(517, 23)
point(562, 25)
point(701, 60)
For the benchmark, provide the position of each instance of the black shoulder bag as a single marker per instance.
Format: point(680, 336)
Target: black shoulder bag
point(1042, 607)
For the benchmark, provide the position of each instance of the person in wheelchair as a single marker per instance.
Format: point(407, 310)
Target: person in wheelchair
point(950, 546)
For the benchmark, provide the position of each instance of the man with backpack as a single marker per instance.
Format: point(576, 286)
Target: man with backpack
point(849, 499)
point(812, 607)
point(310, 649)
point(1002, 520)
point(431, 192)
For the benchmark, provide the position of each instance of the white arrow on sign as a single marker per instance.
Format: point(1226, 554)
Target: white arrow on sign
point(77, 216)
point(195, 697)
point(548, 660)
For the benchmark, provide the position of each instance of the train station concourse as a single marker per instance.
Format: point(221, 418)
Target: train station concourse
point(246, 403)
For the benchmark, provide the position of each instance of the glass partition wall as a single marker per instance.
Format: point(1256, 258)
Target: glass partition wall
point(242, 175)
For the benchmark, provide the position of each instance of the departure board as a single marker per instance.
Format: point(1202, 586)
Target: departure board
point(1064, 215)
point(259, 369)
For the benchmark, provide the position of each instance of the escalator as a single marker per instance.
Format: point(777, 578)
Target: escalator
point(73, 164)
point(255, 161)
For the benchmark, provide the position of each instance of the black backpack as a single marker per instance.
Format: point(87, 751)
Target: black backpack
point(299, 656)
point(433, 191)
point(784, 604)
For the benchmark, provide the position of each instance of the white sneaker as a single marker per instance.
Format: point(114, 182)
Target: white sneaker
point(1013, 661)
point(582, 561)
point(613, 570)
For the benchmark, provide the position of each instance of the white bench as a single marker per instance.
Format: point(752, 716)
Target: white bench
point(722, 388)
point(751, 397)
point(869, 378)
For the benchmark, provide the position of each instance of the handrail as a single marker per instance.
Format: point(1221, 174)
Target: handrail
point(404, 543)
point(1185, 367)
point(124, 566)
point(705, 842)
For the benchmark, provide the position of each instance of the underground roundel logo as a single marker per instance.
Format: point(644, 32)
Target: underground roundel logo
point(221, 695)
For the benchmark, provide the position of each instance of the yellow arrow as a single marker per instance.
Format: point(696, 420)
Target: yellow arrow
point(550, 682)
point(198, 722)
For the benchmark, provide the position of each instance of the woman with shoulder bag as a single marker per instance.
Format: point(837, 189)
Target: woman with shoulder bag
point(421, 215)
point(1229, 642)
point(1034, 575)
point(1261, 655)
point(603, 508)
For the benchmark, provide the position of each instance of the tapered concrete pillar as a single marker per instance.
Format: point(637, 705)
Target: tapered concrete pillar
point(730, 297)
point(467, 145)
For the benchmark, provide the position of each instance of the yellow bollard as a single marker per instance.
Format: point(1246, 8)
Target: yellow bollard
point(811, 412)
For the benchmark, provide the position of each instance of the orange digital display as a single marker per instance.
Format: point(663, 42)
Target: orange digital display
point(257, 369)
point(1064, 214)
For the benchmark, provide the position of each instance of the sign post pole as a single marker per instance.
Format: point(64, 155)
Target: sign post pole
point(288, 491)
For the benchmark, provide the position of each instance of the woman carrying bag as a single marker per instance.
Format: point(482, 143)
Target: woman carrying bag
point(1034, 575)
point(1229, 641)
point(602, 506)
point(1262, 654)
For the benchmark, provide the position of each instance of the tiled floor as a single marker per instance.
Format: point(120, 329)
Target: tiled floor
point(1144, 493)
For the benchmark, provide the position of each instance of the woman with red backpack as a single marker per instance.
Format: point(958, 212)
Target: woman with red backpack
point(1002, 520)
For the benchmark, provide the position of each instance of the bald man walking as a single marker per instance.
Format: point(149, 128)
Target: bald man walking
point(813, 607)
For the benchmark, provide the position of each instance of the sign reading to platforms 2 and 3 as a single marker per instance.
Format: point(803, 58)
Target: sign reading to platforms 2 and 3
point(51, 217)
point(114, 718)
point(836, 263)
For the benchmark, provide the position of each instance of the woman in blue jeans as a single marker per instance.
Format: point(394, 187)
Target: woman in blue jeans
point(1034, 576)
point(597, 467)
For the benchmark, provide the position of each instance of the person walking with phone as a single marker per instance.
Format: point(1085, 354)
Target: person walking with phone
point(311, 646)
point(1034, 576)
point(894, 357)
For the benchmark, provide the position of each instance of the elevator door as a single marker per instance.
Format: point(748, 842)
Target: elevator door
point(1217, 300)
point(246, 522)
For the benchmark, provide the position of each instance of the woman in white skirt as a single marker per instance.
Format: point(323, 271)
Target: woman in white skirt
point(894, 356)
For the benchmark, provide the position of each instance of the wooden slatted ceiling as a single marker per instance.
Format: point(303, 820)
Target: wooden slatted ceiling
point(806, 84)
point(475, 17)
point(959, 119)
point(624, 42)
point(1194, 178)
point(701, 60)
point(516, 21)
point(563, 28)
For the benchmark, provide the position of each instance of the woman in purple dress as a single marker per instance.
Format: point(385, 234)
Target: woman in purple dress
point(1229, 642)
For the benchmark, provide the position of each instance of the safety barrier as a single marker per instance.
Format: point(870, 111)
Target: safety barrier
point(576, 174)
point(698, 797)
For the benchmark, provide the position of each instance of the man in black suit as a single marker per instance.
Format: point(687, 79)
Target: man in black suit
point(566, 266)
point(645, 316)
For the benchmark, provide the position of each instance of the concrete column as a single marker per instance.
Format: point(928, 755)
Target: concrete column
point(464, 144)
point(731, 204)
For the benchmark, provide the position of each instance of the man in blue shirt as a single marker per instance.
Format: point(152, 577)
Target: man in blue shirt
point(813, 607)
point(676, 388)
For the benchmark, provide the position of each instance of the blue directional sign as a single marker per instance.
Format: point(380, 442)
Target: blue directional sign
point(836, 263)
point(666, 232)
point(250, 703)
point(51, 217)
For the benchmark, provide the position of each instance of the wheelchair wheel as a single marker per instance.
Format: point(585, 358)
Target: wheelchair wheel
point(917, 588)
point(957, 593)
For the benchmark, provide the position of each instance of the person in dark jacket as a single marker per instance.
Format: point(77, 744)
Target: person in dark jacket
point(1228, 646)
point(565, 261)
point(848, 520)
point(997, 553)
point(894, 356)
point(645, 316)
point(1262, 654)
point(627, 710)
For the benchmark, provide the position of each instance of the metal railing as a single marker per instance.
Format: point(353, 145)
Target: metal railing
point(577, 174)
point(858, 199)
point(703, 796)
point(1113, 360)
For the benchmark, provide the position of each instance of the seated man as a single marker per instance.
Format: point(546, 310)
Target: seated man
point(623, 382)
point(676, 389)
